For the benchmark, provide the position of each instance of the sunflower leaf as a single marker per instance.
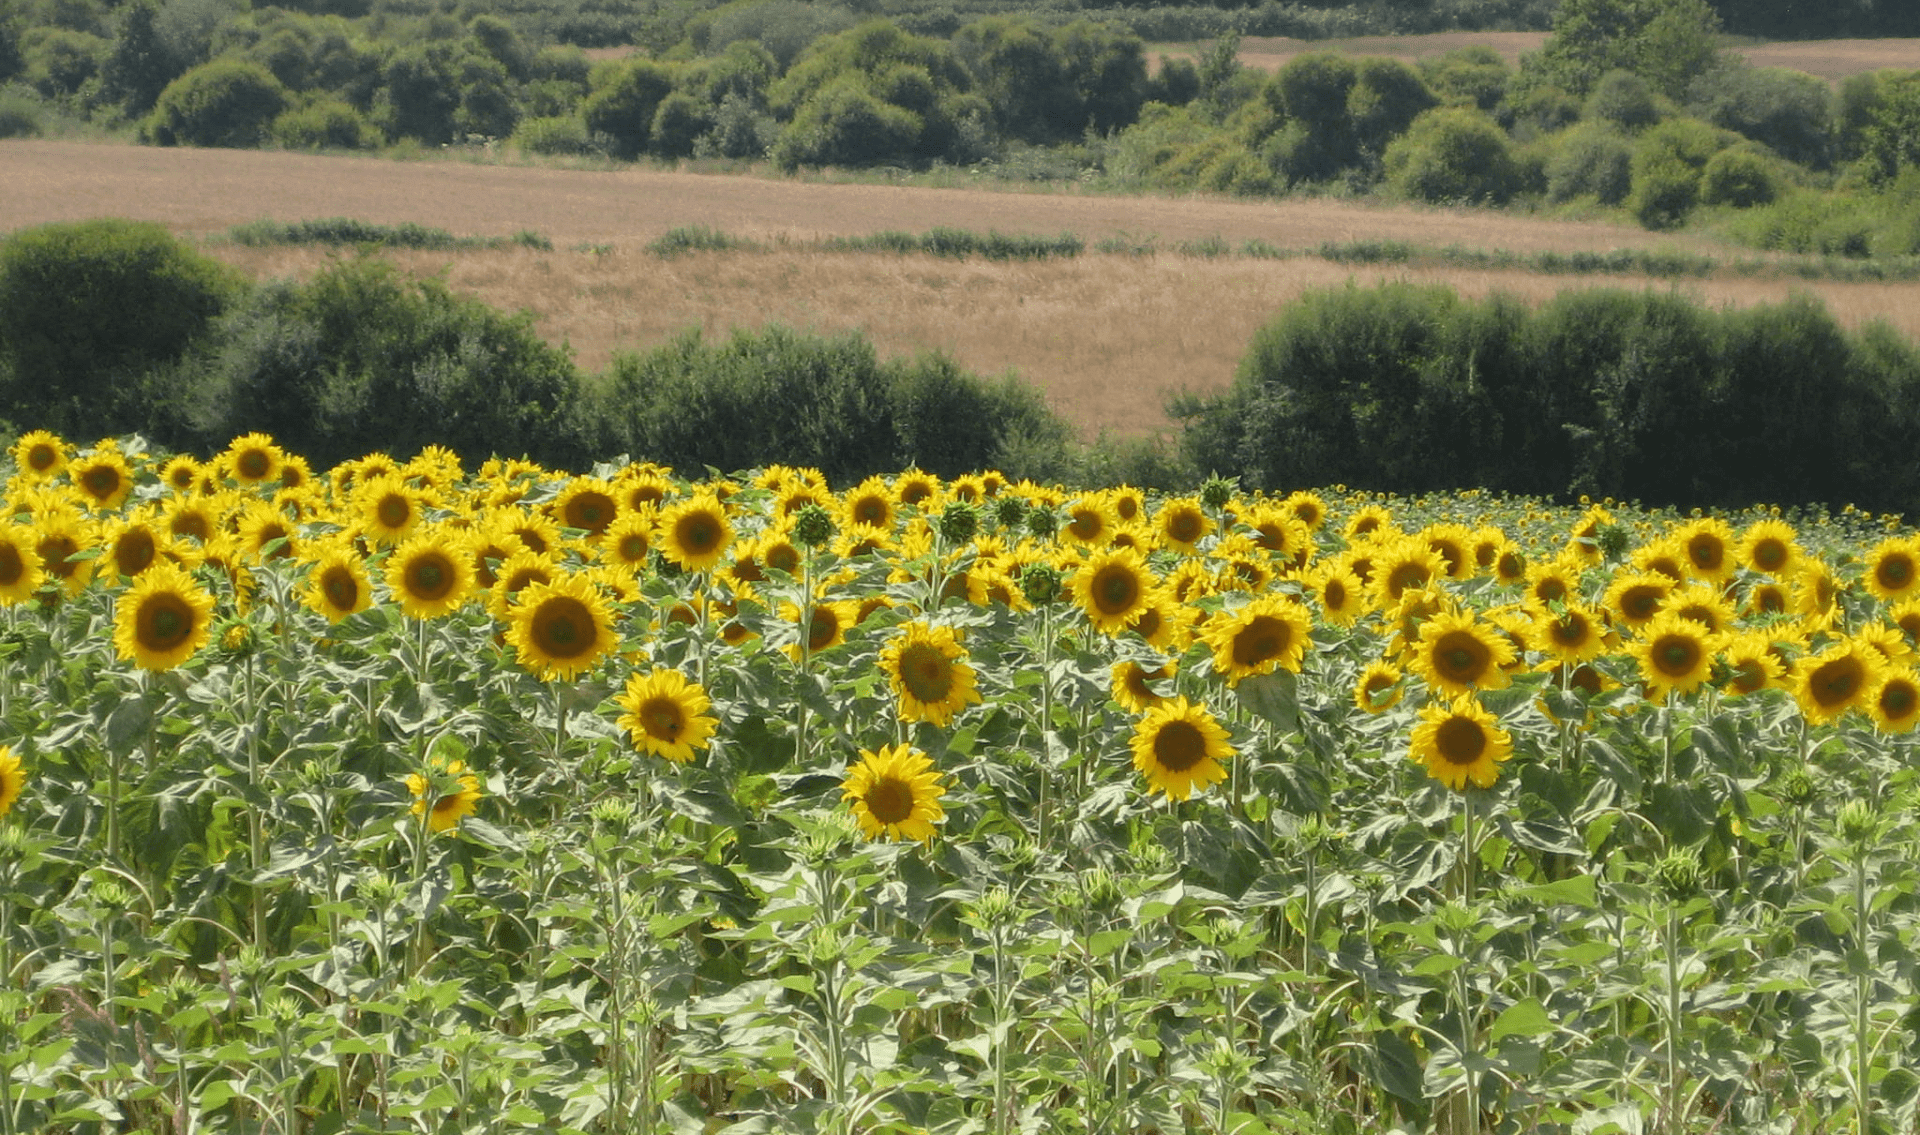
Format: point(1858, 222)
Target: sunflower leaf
point(1273, 698)
point(1526, 1018)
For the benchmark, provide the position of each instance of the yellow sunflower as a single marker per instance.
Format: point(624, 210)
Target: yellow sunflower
point(104, 478)
point(1634, 598)
point(1906, 616)
point(1379, 687)
point(1838, 678)
point(20, 574)
point(1893, 703)
point(388, 509)
point(163, 619)
point(1704, 604)
point(588, 504)
point(1556, 581)
point(1178, 747)
point(266, 534)
point(1113, 588)
point(895, 794)
point(694, 533)
point(253, 459)
point(1456, 655)
point(40, 455)
point(1181, 524)
point(870, 503)
point(1271, 632)
point(1665, 557)
point(927, 668)
point(1089, 522)
point(1892, 569)
point(828, 627)
point(1570, 633)
point(1675, 654)
point(60, 542)
point(1276, 529)
point(190, 518)
point(915, 489)
point(1816, 594)
point(132, 546)
point(13, 779)
point(431, 574)
point(560, 630)
point(1308, 508)
point(666, 715)
point(1751, 664)
point(1766, 601)
point(181, 473)
point(515, 574)
point(1460, 743)
point(1453, 543)
point(444, 794)
point(1771, 547)
point(1405, 565)
point(1343, 598)
point(1369, 521)
point(1132, 684)
point(337, 583)
point(1708, 545)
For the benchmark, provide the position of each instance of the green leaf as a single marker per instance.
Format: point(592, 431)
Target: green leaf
point(1272, 697)
point(1522, 1018)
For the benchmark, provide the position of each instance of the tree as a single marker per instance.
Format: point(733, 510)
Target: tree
point(140, 66)
point(1667, 42)
point(227, 102)
point(624, 101)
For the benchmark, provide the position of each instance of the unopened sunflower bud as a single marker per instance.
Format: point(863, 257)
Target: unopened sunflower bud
point(1797, 788)
point(1679, 875)
point(959, 522)
point(812, 526)
point(1858, 823)
point(1040, 583)
point(1217, 491)
point(612, 811)
point(1009, 511)
point(1042, 522)
point(994, 910)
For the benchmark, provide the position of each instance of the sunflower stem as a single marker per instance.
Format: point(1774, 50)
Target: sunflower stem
point(1675, 1121)
point(1046, 718)
point(561, 703)
point(1862, 1007)
point(255, 828)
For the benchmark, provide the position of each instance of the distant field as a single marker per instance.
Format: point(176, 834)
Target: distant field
point(1107, 336)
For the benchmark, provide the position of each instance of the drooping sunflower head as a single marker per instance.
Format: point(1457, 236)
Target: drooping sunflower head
point(1179, 747)
point(1675, 654)
point(1113, 587)
point(431, 574)
point(694, 533)
point(561, 630)
point(1455, 655)
point(894, 793)
point(444, 794)
point(162, 619)
point(1272, 632)
point(927, 668)
point(1460, 743)
point(40, 456)
point(666, 715)
point(1892, 569)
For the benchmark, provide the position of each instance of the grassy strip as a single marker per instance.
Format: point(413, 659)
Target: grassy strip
point(344, 230)
point(959, 244)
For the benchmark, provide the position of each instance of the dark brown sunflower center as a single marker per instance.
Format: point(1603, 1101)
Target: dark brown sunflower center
point(1115, 589)
point(191, 525)
point(1147, 624)
point(133, 553)
point(1460, 740)
point(43, 457)
point(1551, 589)
point(1461, 656)
point(697, 534)
point(890, 800)
point(1676, 655)
point(563, 627)
point(1835, 683)
point(870, 510)
point(1748, 675)
point(340, 588)
point(1706, 552)
point(165, 622)
point(1641, 603)
point(823, 629)
point(590, 511)
point(271, 532)
point(54, 552)
point(633, 547)
point(1510, 566)
point(1334, 595)
point(1769, 600)
point(1185, 526)
point(1179, 746)
point(1769, 554)
point(101, 481)
point(1898, 700)
point(782, 557)
point(1449, 553)
point(662, 719)
point(1894, 572)
point(430, 577)
point(1137, 678)
point(12, 565)
point(1263, 638)
point(1570, 630)
point(254, 465)
point(394, 511)
point(1405, 575)
point(926, 672)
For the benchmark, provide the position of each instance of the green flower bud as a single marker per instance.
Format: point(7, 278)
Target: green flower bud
point(1858, 823)
point(1009, 511)
point(1041, 583)
point(959, 522)
point(812, 526)
point(1679, 875)
point(1218, 491)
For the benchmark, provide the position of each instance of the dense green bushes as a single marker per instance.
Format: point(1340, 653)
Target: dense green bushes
point(1633, 395)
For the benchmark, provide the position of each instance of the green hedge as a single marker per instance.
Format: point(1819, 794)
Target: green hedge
point(1634, 395)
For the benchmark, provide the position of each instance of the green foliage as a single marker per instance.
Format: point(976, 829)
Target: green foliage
point(223, 103)
point(678, 123)
point(1742, 176)
point(845, 124)
point(870, 95)
point(141, 64)
point(1667, 42)
point(960, 244)
point(325, 124)
point(1475, 76)
point(1610, 393)
point(1889, 137)
point(626, 96)
point(1337, 115)
point(1592, 159)
point(93, 317)
point(830, 403)
point(60, 61)
point(559, 134)
point(693, 238)
point(20, 115)
point(783, 28)
point(1624, 99)
point(419, 93)
point(1790, 112)
point(1453, 155)
point(1668, 162)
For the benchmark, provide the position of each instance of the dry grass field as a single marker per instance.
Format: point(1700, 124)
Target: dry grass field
point(1108, 337)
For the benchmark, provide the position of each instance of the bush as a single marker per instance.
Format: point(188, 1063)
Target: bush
point(1790, 112)
point(845, 125)
point(678, 122)
point(623, 103)
point(1592, 159)
point(20, 116)
point(1667, 165)
point(328, 124)
point(91, 316)
point(1624, 99)
point(223, 103)
point(1453, 155)
point(565, 134)
point(1473, 76)
point(1741, 176)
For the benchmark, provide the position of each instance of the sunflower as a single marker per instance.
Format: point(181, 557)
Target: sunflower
point(895, 794)
point(1378, 688)
point(13, 779)
point(694, 533)
point(1892, 570)
point(1181, 524)
point(587, 504)
point(870, 503)
point(1556, 581)
point(444, 793)
point(103, 477)
point(431, 574)
point(1089, 522)
point(1816, 594)
point(337, 583)
point(131, 546)
point(1280, 532)
point(1411, 613)
point(162, 619)
point(927, 668)
point(388, 509)
point(1460, 743)
point(1404, 565)
point(560, 630)
point(1510, 565)
point(253, 459)
point(1113, 588)
point(1178, 746)
point(1704, 604)
point(641, 487)
point(1665, 557)
point(1766, 601)
point(1453, 543)
point(1367, 522)
point(666, 715)
point(1893, 703)
point(777, 552)
point(40, 455)
point(515, 574)
point(1270, 632)
point(1829, 683)
point(295, 473)
point(1675, 654)
point(1570, 633)
point(1164, 624)
point(1887, 641)
point(1343, 598)
point(1308, 508)
point(20, 573)
point(190, 518)
point(1132, 684)
point(1751, 664)
point(1771, 547)
point(1584, 540)
point(536, 532)
point(915, 489)
point(266, 533)
point(1129, 504)
point(1906, 616)
point(1708, 545)
point(1456, 654)
point(1634, 598)
point(828, 627)
point(61, 542)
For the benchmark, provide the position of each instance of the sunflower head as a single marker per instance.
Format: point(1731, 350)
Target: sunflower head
point(103, 477)
point(928, 671)
point(162, 619)
point(1133, 684)
point(894, 793)
point(1460, 743)
point(20, 573)
point(40, 455)
point(666, 715)
point(1892, 570)
point(1770, 547)
point(337, 582)
point(1829, 683)
point(694, 533)
point(431, 574)
point(253, 459)
point(1113, 587)
point(1272, 632)
point(1708, 548)
point(1893, 703)
point(1456, 654)
point(1378, 688)
point(562, 629)
point(587, 504)
point(444, 793)
point(13, 779)
point(1181, 524)
point(1179, 747)
point(1675, 654)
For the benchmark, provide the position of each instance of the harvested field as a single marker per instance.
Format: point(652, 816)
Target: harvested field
point(1107, 336)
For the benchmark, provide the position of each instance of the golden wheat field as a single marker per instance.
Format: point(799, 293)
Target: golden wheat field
point(1107, 336)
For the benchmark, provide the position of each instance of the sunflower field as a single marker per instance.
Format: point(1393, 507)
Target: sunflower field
point(405, 797)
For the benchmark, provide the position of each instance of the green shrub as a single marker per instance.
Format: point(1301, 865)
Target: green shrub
point(328, 124)
point(227, 102)
point(845, 125)
point(1741, 176)
point(1475, 76)
point(1789, 112)
point(1592, 159)
point(1624, 99)
point(20, 115)
point(92, 316)
point(678, 123)
point(625, 98)
point(1453, 155)
point(1668, 162)
point(565, 134)
point(61, 61)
